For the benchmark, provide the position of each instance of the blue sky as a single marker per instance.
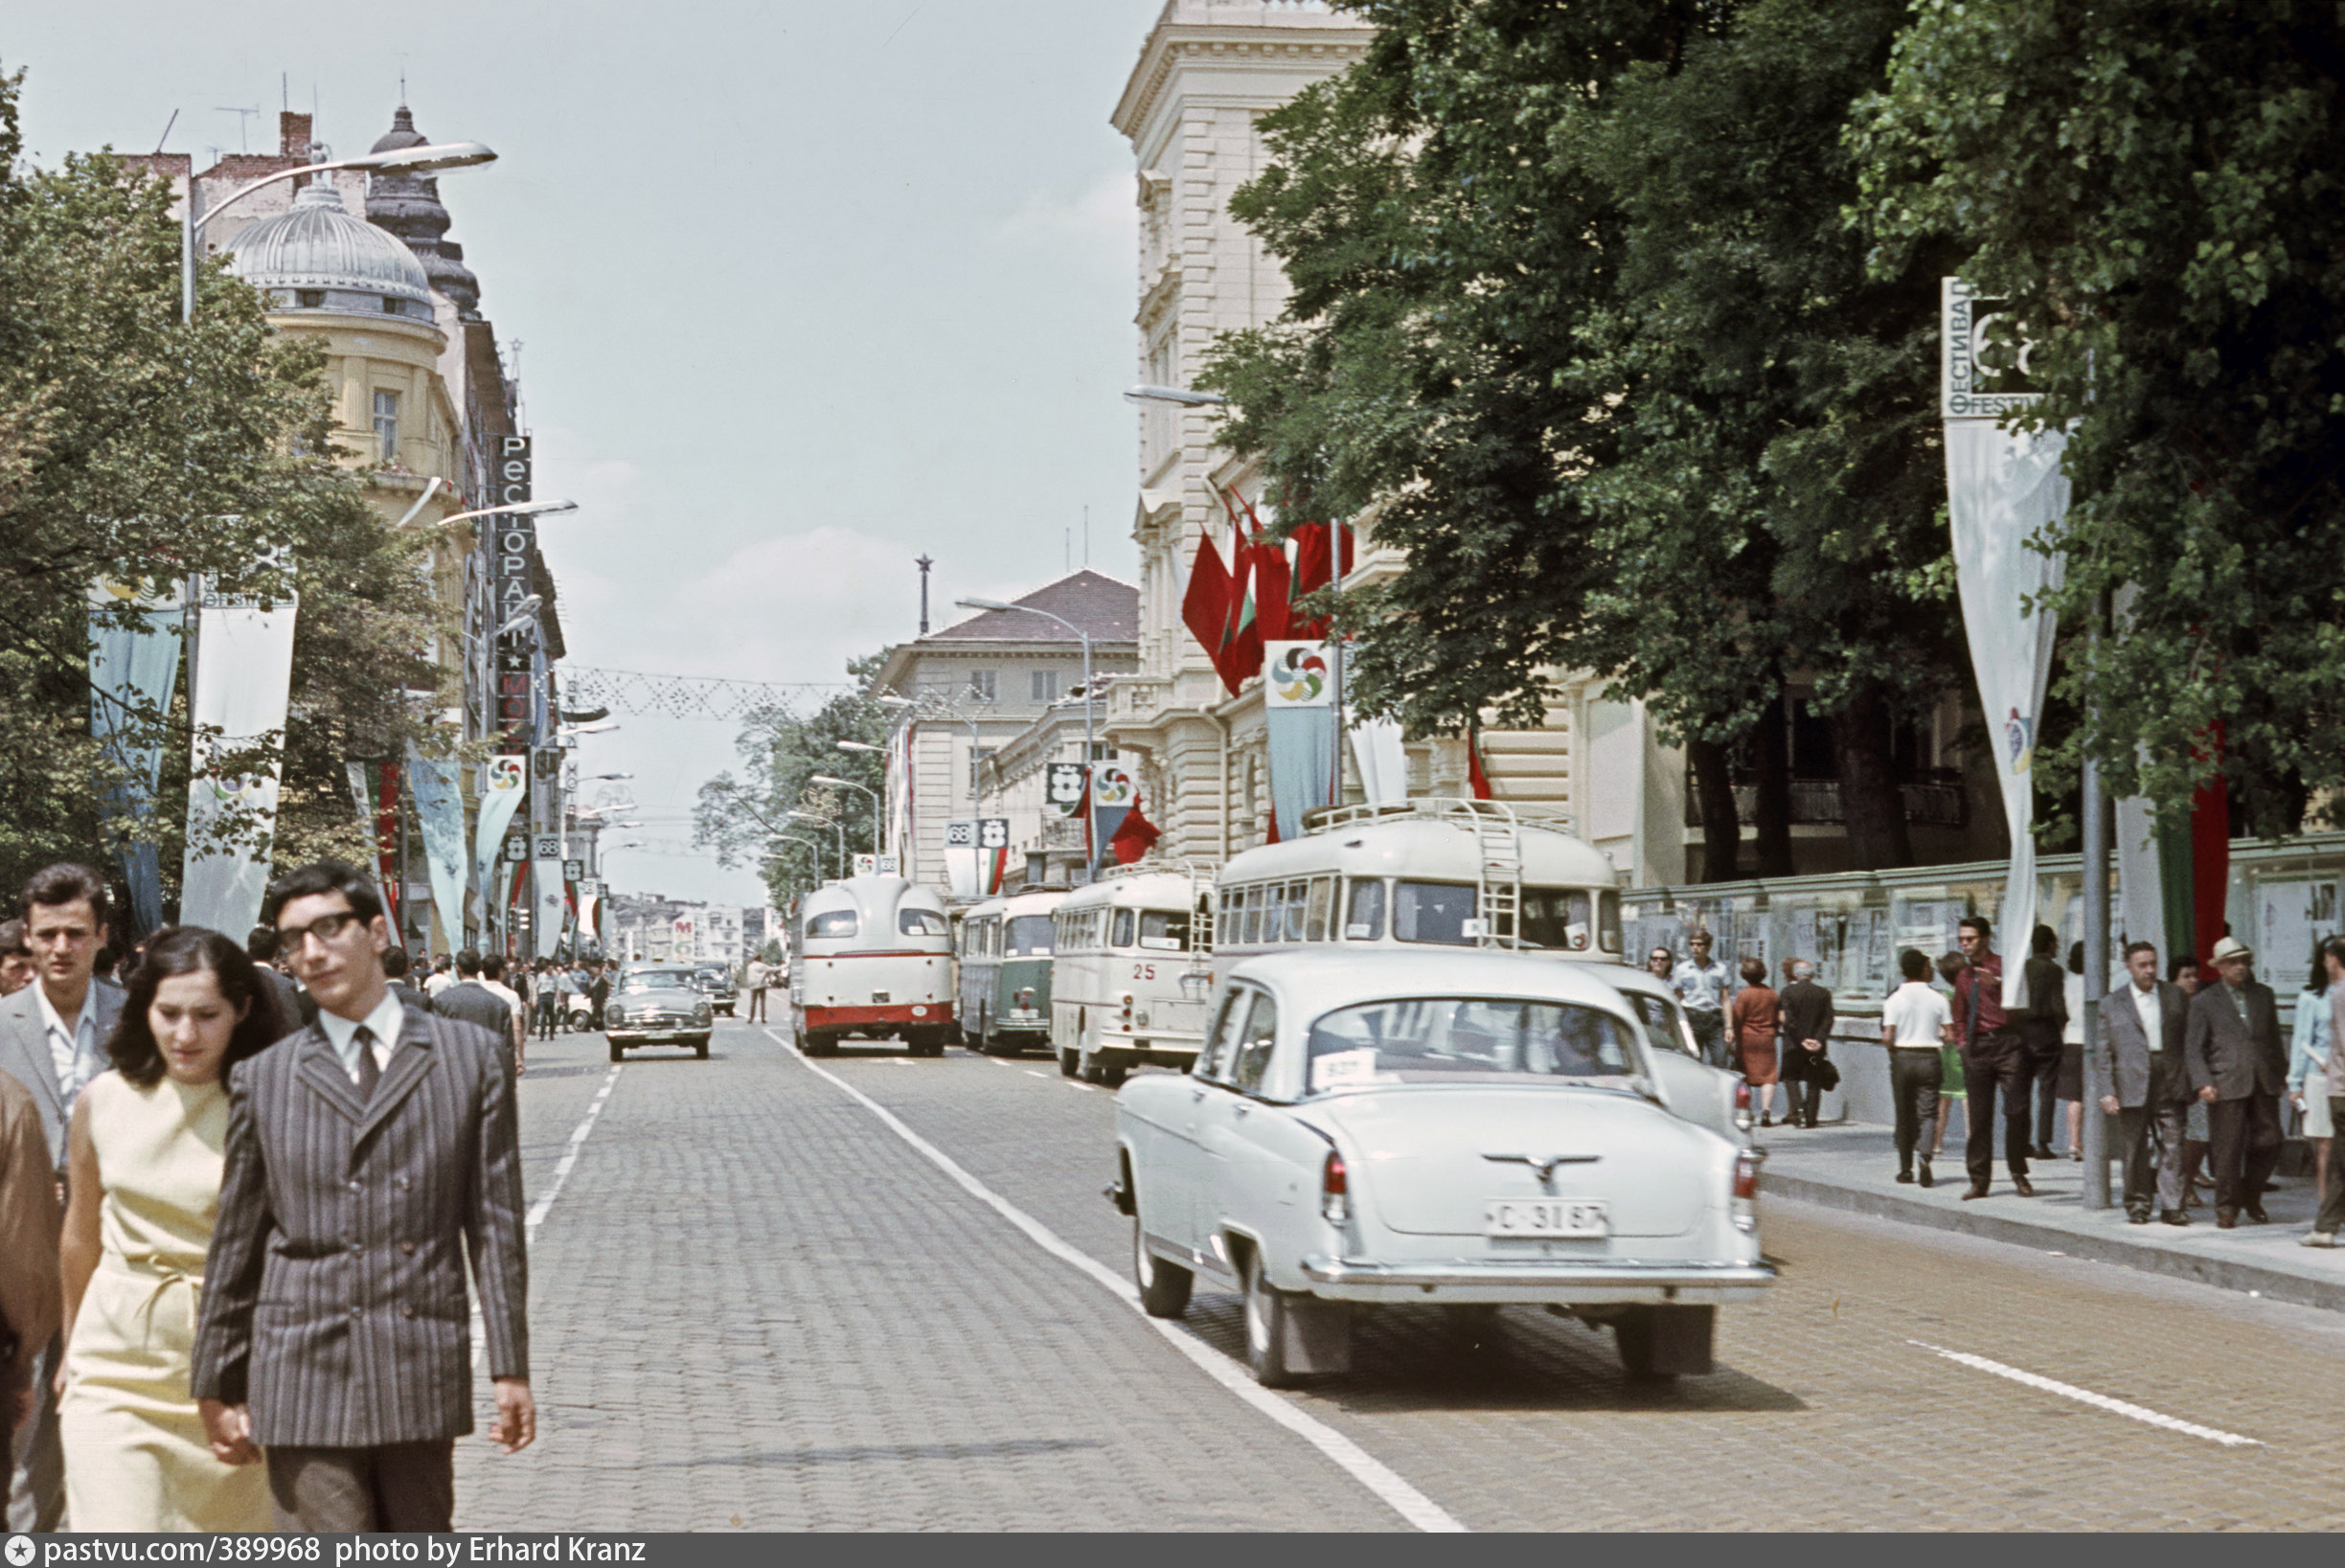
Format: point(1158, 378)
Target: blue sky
point(800, 292)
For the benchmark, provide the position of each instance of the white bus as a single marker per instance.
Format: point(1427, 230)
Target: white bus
point(874, 957)
point(1128, 982)
point(1422, 872)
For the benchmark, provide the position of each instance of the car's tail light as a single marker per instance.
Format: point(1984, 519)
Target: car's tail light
point(1743, 1110)
point(1334, 1189)
point(1124, 1022)
point(1025, 1000)
point(1744, 1205)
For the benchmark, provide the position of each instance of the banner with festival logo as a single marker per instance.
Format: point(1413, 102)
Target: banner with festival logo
point(1299, 715)
point(1112, 793)
point(2004, 487)
point(549, 920)
point(135, 632)
point(440, 819)
point(504, 788)
point(238, 691)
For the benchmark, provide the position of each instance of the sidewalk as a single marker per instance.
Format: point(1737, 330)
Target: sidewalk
point(1853, 1166)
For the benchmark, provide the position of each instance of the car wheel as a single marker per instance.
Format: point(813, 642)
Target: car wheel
point(700, 1047)
point(1265, 1326)
point(931, 1044)
point(1164, 1287)
point(1658, 1343)
point(618, 1051)
point(1112, 1077)
point(821, 1042)
point(1067, 1064)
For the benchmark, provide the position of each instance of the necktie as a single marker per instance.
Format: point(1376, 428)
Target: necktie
point(370, 1071)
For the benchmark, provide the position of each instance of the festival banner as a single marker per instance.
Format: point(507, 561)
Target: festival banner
point(504, 787)
point(439, 818)
point(961, 857)
point(2004, 487)
point(239, 691)
point(1299, 718)
point(553, 910)
point(1112, 792)
point(134, 668)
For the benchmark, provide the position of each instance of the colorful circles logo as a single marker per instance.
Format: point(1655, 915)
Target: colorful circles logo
point(1299, 675)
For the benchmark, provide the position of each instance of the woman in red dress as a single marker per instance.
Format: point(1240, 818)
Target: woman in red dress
point(1751, 1025)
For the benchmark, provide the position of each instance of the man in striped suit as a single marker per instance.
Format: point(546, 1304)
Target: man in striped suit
point(370, 1156)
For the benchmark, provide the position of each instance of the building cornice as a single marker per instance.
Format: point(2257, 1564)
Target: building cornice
point(1270, 40)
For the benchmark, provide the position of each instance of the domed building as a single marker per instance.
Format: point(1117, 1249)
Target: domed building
point(331, 274)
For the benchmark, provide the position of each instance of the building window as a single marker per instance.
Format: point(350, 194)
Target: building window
point(1045, 685)
point(977, 762)
point(386, 425)
point(309, 298)
point(985, 686)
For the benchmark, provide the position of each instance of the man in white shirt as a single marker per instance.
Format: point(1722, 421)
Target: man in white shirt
point(1704, 985)
point(441, 978)
point(1912, 1024)
point(493, 980)
point(756, 978)
point(53, 1035)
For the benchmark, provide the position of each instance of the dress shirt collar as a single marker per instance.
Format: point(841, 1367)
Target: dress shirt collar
point(2153, 1017)
point(387, 1019)
point(56, 1020)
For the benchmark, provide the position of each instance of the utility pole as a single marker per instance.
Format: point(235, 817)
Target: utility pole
point(2096, 825)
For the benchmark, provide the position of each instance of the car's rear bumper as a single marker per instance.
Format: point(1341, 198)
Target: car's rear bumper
point(664, 1033)
point(883, 1015)
point(1537, 1281)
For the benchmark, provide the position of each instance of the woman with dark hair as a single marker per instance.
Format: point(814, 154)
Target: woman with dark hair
point(2307, 1080)
point(145, 1156)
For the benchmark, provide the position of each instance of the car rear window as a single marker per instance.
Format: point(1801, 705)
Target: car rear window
point(658, 980)
point(838, 922)
point(1468, 1039)
point(921, 923)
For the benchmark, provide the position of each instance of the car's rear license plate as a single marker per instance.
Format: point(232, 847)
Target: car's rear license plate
point(1546, 1218)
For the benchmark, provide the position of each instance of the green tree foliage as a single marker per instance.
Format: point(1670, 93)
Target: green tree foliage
point(2154, 188)
point(137, 448)
point(1577, 312)
point(743, 819)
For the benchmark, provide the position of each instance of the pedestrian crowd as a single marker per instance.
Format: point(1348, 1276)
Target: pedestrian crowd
point(2192, 1069)
point(240, 1206)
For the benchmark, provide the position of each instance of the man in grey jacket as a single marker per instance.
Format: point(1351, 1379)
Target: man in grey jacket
point(2239, 1068)
point(2144, 1027)
point(53, 1036)
point(371, 1157)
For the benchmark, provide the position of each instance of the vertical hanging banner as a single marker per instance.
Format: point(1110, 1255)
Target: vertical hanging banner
point(135, 634)
point(1112, 793)
point(440, 816)
point(238, 691)
point(393, 874)
point(992, 851)
point(2003, 488)
point(1299, 718)
point(504, 787)
point(961, 857)
point(551, 915)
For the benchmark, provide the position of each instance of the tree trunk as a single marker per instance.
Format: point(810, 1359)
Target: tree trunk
point(1722, 828)
point(1872, 806)
point(1772, 813)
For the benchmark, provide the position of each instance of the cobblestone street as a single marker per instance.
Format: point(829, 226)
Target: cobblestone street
point(756, 1304)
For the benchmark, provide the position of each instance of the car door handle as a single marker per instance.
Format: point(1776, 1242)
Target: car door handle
point(1195, 1095)
point(1241, 1108)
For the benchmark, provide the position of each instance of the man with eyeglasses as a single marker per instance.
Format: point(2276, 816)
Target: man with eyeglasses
point(371, 1156)
point(52, 1041)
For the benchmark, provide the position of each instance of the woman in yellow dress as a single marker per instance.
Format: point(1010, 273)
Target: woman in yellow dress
point(143, 1169)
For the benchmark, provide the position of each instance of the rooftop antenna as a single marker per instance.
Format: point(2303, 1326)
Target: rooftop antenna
point(244, 120)
point(1086, 536)
point(923, 563)
point(167, 130)
point(285, 91)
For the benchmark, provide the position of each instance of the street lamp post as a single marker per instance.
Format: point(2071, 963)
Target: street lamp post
point(836, 828)
point(1090, 692)
point(869, 794)
point(406, 160)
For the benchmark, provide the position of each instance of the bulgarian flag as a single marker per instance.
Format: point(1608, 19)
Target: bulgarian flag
point(1205, 606)
point(1475, 777)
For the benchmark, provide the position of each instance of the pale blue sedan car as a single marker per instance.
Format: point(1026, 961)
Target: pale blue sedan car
point(1457, 1129)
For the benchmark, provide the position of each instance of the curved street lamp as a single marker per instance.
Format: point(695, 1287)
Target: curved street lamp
point(1090, 686)
point(428, 159)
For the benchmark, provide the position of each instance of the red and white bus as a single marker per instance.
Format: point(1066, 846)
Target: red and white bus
point(874, 957)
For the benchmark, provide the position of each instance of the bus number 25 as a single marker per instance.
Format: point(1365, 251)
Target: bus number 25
point(1144, 972)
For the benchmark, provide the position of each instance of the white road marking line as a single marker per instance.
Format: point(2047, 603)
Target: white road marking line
point(2100, 1402)
point(538, 1210)
point(569, 1159)
point(1369, 1472)
point(1033, 1071)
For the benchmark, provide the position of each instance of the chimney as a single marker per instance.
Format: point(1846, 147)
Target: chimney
point(293, 136)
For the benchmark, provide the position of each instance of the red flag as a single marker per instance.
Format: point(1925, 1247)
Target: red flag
point(1474, 776)
point(1273, 591)
point(1135, 836)
point(1205, 608)
point(2210, 832)
point(1242, 636)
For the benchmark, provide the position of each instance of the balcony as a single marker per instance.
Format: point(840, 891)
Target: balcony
point(1815, 803)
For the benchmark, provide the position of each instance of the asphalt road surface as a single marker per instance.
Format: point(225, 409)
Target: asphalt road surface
point(881, 1293)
